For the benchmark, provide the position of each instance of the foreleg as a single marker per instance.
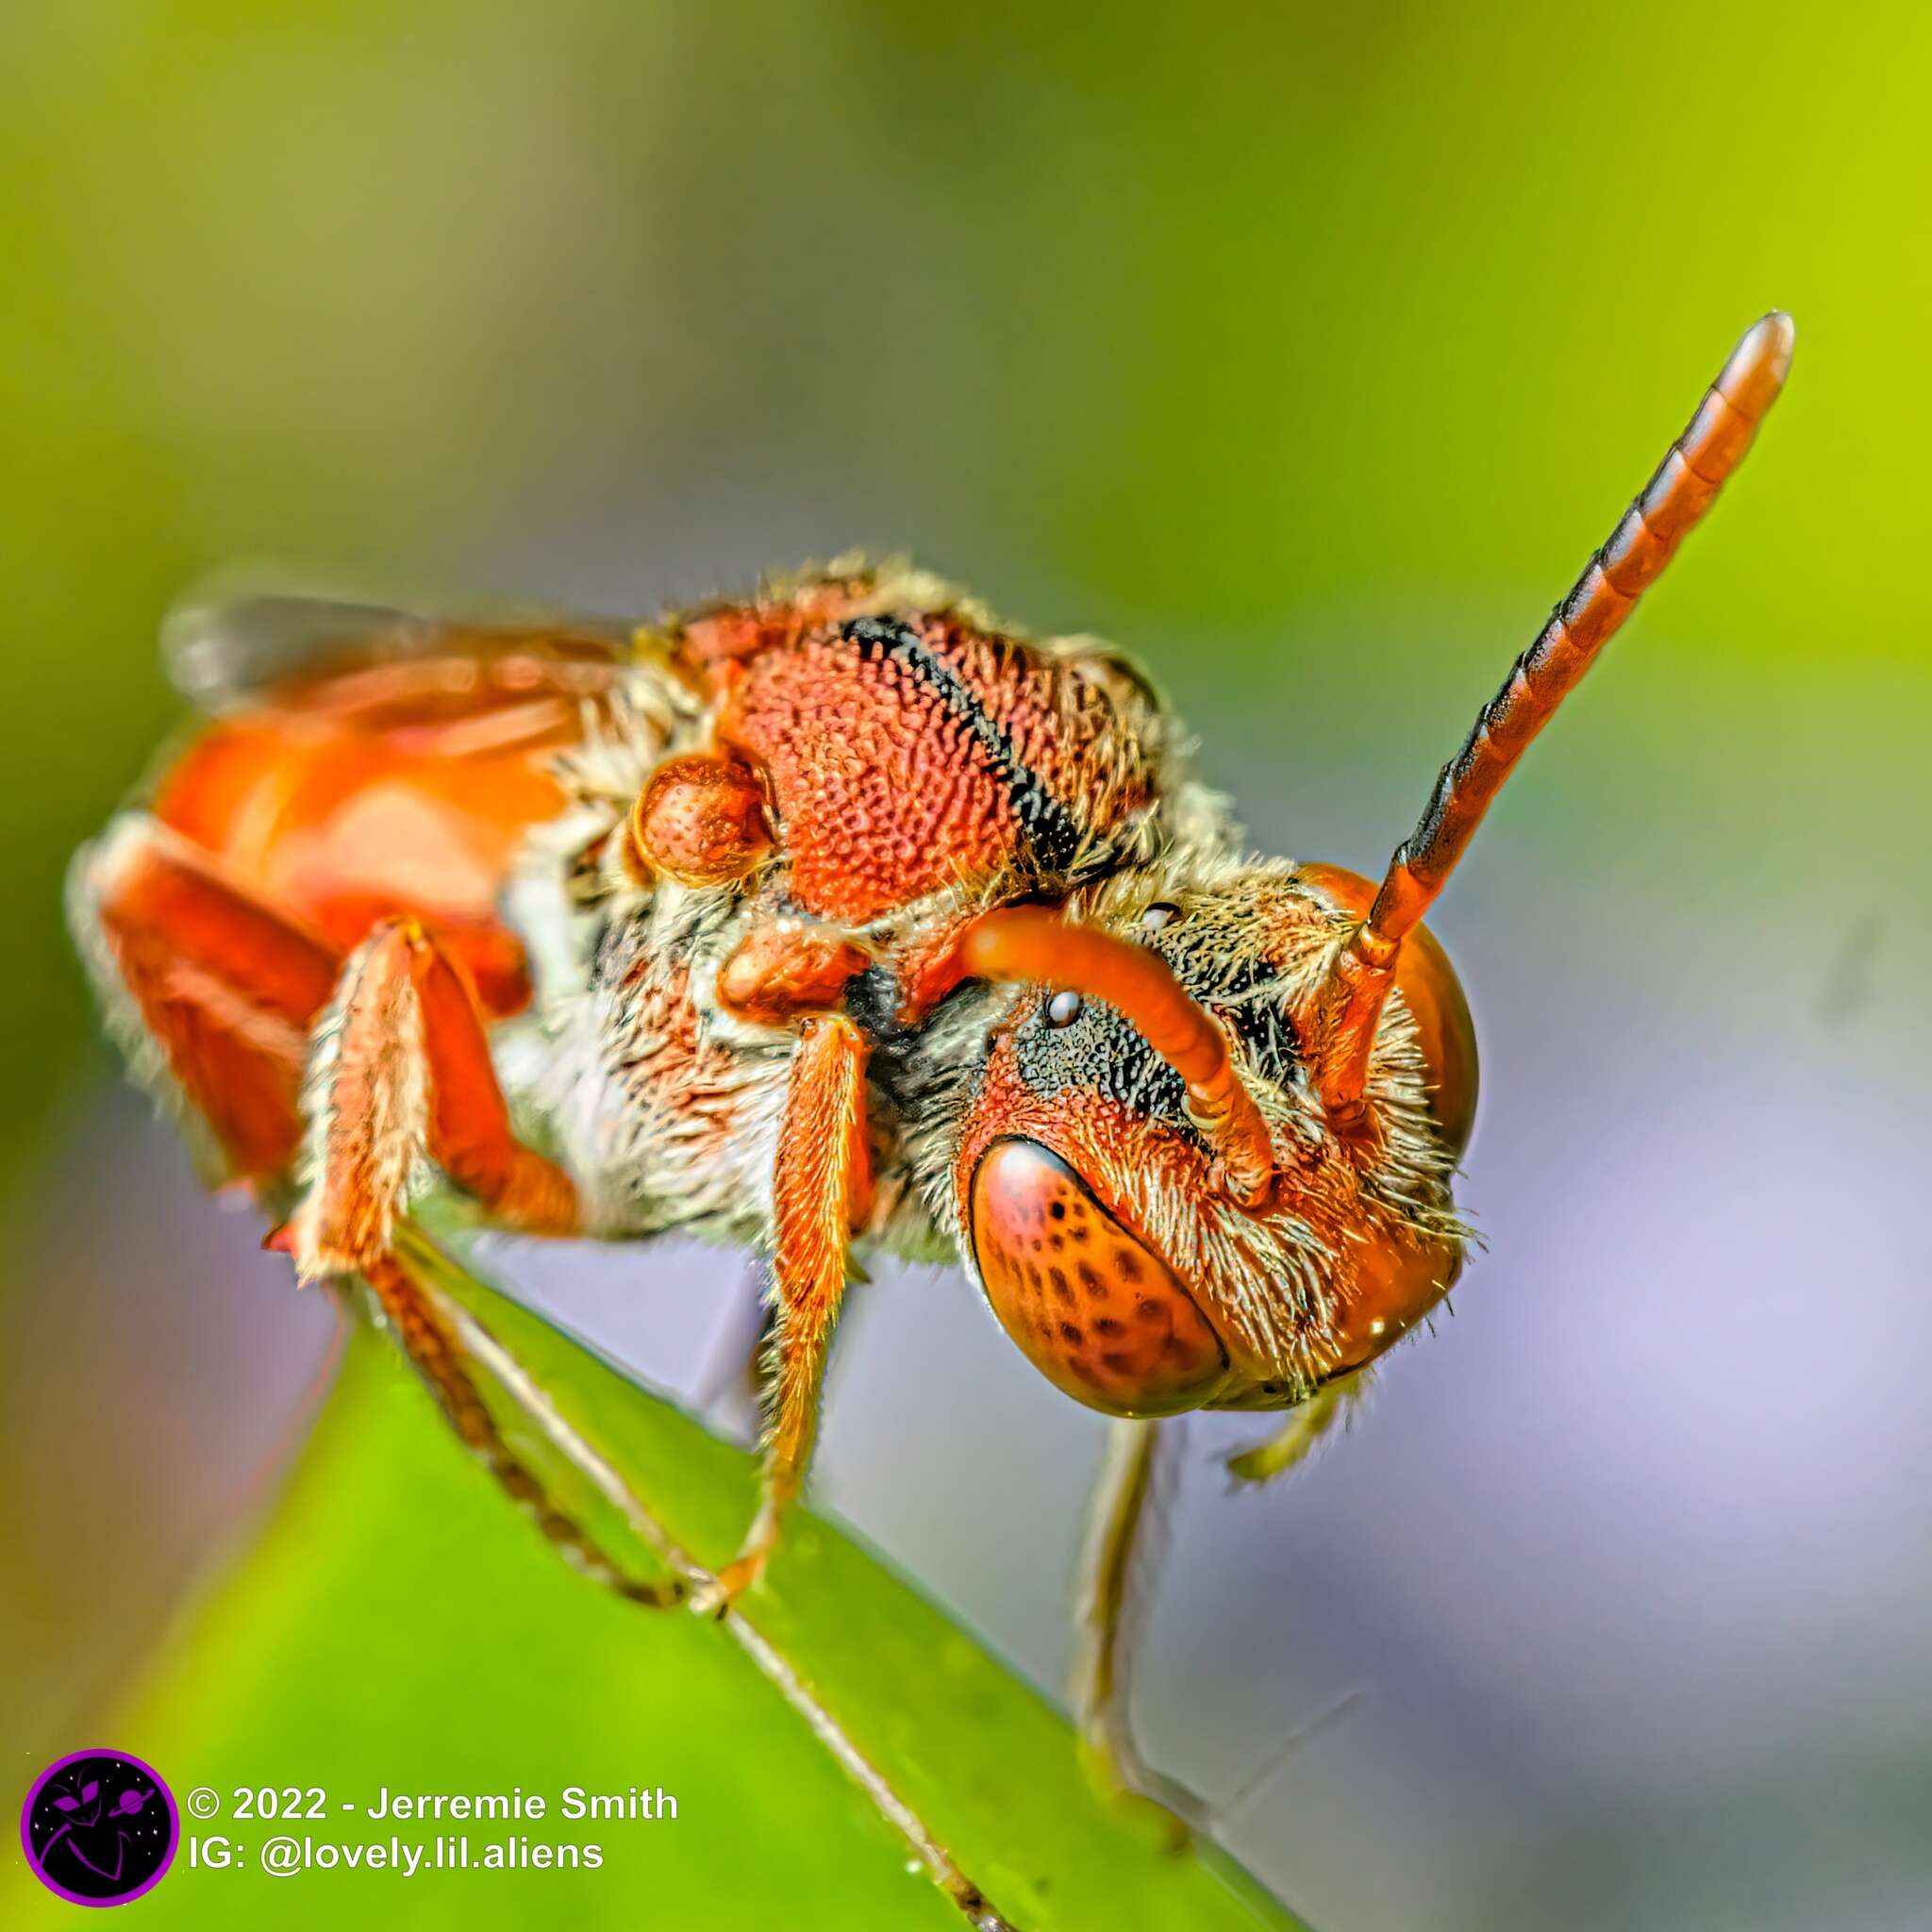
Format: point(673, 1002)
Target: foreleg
point(820, 1191)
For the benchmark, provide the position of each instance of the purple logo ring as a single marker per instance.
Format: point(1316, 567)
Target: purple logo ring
point(99, 1828)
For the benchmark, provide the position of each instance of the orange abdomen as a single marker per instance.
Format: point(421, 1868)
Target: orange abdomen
point(347, 804)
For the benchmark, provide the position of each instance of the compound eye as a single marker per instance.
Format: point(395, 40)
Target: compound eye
point(1161, 915)
point(1091, 1306)
point(1063, 1009)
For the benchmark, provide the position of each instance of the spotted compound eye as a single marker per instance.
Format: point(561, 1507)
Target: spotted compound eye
point(1063, 1009)
point(1157, 916)
point(1094, 1309)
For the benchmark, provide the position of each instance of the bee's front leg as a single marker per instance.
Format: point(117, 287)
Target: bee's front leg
point(821, 1191)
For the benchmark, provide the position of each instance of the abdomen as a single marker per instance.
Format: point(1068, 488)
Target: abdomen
point(381, 790)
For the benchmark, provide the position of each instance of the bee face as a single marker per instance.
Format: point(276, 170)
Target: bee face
point(1104, 1238)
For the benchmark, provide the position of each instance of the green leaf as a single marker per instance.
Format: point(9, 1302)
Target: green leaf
point(397, 1625)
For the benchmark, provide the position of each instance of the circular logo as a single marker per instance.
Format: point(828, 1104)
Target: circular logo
point(99, 1828)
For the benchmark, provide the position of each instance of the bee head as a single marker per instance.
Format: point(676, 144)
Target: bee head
point(1163, 1212)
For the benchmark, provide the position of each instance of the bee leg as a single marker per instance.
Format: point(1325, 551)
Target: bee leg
point(1291, 1444)
point(442, 1362)
point(215, 993)
point(401, 1067)
point(1118, 1548)
point(211, 992)
point(820, 1190)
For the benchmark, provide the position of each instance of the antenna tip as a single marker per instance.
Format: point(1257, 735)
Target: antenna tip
point(1759, 365)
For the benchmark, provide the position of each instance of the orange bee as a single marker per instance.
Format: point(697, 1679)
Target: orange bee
point(842, 916)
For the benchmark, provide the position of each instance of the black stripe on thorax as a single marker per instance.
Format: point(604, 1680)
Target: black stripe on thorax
point(1052, 838)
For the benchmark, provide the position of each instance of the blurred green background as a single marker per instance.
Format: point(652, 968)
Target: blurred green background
point(1305, 352)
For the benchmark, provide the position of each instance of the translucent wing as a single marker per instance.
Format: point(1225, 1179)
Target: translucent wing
point(235, 642)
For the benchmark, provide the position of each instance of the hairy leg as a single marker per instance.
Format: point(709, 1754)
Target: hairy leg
point(440, 1357)
point(402, 1069)
point(218, 992)
point(821, 1191)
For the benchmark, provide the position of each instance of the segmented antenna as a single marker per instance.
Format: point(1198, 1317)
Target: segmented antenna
point(1676, 497)
point(1031, 943)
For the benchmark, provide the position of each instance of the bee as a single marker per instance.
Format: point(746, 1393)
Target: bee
point(844, 917)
